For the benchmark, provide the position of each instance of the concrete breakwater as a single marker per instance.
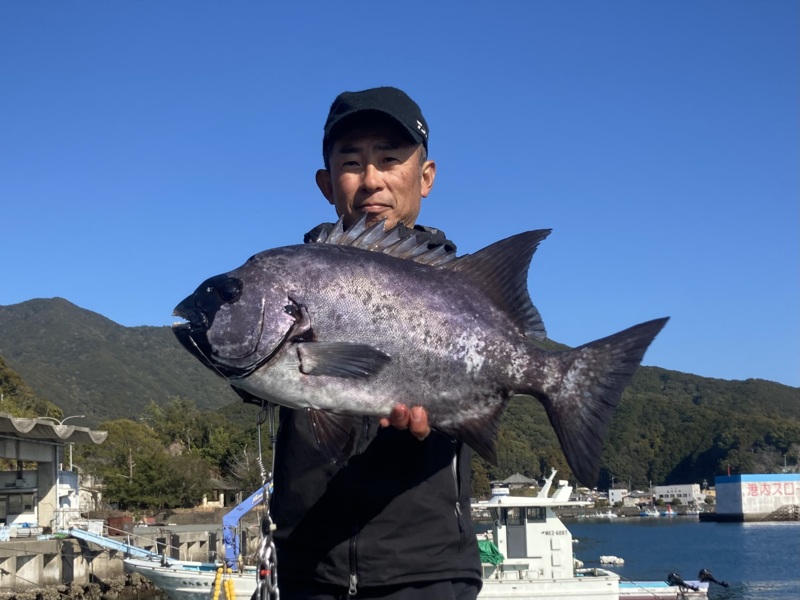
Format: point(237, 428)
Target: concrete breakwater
point(39, 569)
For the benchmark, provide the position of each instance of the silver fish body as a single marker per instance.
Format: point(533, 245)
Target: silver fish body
point(342, 329)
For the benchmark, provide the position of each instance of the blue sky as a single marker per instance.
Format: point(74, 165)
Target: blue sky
point(145, 146)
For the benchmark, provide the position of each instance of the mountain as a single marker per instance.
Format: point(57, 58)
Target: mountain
point(669, 427)
point(87, 364)
point(18, 399)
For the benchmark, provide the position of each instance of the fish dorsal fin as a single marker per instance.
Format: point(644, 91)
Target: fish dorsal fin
point(399, 241)
point(501, 271)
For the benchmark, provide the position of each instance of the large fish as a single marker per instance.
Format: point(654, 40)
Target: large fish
point(367, 319)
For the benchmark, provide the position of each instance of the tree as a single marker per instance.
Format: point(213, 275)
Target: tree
point(131, 462)
point(481, 486)
point(246, 469)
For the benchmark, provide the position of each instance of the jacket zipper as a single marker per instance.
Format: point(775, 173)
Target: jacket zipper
point(353, 588)
point(458, 492)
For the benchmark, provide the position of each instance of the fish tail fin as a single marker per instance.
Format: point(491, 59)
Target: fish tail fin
point(591, 381)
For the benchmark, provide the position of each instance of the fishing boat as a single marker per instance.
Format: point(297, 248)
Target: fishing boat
point(528, 554)
point(189, 580)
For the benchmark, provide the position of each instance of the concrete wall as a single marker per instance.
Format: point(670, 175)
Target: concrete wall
point(30, 564)
point(757, 497)
point(42, 563)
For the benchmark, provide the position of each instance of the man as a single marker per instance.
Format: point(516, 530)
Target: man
point(392, 521)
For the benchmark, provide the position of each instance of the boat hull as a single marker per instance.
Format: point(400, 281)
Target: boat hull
point(191, 581)
point(575, 588)
point(658, 590)
point(195, 581)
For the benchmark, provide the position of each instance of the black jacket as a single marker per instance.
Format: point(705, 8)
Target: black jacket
point(396, 512)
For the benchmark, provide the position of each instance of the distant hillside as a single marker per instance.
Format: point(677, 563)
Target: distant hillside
point(18, 399)
point(87, 364)
point(670, 426)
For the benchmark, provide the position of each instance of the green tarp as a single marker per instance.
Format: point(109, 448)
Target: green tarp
point(489, 552)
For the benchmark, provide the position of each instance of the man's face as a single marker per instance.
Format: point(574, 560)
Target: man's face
point(377, 171)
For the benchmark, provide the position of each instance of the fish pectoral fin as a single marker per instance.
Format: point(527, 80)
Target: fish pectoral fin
point(340, 359)
point(335, 434)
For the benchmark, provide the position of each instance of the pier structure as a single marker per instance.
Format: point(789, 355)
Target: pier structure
point(84, 558)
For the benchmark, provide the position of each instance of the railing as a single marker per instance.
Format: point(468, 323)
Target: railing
point(64, 518)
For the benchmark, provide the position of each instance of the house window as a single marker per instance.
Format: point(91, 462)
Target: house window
point(19, 503)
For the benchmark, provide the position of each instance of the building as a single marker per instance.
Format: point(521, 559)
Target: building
point(46, 495)
point(616, 495)
point(758, 497)
point(637, 500)
point(686, 493)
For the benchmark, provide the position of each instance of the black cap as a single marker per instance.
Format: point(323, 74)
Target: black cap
point(387, 100)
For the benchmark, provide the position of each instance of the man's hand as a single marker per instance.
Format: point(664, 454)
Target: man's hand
point(414, 419)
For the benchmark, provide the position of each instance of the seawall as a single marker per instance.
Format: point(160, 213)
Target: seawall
point(27, 565)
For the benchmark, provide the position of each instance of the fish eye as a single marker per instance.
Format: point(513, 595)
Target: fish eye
point(230, 290)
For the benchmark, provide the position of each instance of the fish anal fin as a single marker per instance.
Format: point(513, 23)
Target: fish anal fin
point(480, 432)
point(501, 271)
point(340, 359)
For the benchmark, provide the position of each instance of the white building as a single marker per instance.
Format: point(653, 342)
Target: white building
point(616, 495)
point(687, 493)
point(758, 497)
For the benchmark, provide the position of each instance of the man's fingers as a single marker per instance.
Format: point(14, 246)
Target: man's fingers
point(419, 423)
point(415, 420)
point(399, 417)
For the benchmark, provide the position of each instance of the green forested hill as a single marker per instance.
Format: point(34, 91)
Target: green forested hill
point(87, 364)
point(18, 399)
point(670, 426)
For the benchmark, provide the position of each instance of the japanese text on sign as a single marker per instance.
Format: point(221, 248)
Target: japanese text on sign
point(771, 489)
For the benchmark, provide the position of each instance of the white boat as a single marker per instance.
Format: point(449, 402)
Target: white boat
point(188, 580)
point(538, 559)
point(650, 512)
point(528, 555)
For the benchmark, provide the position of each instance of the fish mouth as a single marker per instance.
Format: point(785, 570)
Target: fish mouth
point(193, 335)
point(195, 339)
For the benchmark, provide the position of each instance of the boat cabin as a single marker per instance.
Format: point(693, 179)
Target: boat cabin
point(527, 532)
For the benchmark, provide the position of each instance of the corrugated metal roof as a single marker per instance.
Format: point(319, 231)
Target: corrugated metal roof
point(49, 430)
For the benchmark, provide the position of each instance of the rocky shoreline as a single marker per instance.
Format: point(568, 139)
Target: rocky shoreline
point(128, 587)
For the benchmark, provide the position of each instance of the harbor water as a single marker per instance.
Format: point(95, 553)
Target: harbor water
point(760, 561)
